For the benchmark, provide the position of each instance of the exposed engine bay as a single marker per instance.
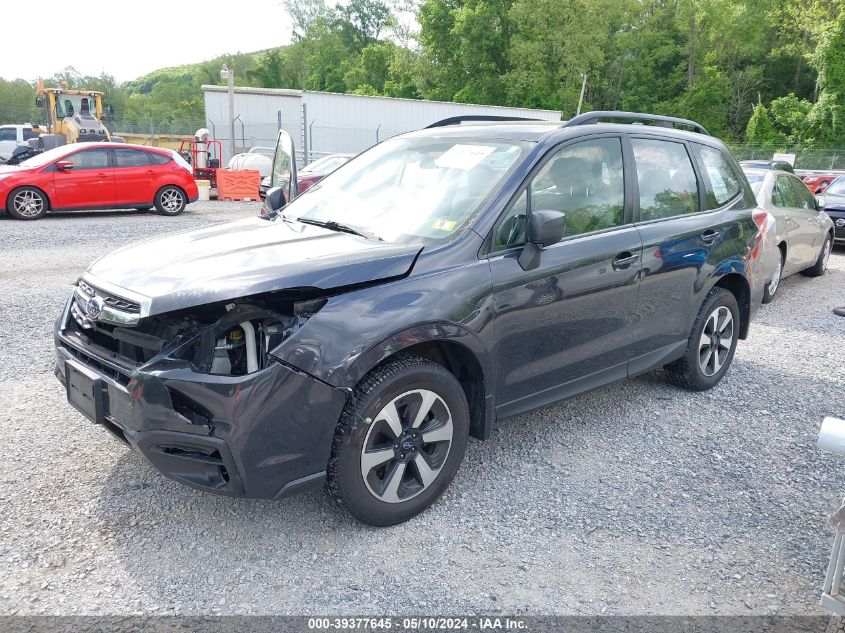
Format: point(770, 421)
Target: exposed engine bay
point(231, 339)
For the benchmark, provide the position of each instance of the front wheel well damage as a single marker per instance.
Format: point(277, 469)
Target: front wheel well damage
point(463, 364)
point(737, 285)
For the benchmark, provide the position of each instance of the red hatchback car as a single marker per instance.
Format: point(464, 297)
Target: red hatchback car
point(97, 176)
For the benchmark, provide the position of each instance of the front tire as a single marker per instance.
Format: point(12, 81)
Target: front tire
point(711, 345)
point(820, 267)
point(170, 200)
point(27, 203)
point(399, 441)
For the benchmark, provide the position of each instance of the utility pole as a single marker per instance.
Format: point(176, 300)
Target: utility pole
point(581, 98)
point(229, 75)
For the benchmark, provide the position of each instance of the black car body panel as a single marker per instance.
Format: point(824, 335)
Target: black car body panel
point(244, 258)
point(521, 338)
point(834, 206)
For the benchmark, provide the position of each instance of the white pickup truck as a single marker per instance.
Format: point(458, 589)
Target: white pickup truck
point(13, 135)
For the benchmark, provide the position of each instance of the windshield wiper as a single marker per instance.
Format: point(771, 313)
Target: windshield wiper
point(340, 226)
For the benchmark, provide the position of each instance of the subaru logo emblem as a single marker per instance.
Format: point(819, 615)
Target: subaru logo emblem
point(94, 308)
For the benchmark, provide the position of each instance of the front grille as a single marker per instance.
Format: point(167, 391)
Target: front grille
point(123, 305)
point(113, 301)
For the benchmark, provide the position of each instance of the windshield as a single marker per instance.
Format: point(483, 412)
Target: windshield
point(69, 105)
point(837, 187)
point(756, 181)
point(411, 189)
point(325, 164)
point(43, 158)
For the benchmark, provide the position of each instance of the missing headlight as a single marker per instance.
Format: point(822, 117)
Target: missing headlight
point(240, 341)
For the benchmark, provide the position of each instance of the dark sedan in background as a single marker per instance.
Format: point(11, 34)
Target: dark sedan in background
point(312, 173)
point(833, 201)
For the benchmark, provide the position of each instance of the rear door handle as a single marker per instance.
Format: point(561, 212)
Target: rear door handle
point(624, 260)
point(709, 236)
point(102, 175)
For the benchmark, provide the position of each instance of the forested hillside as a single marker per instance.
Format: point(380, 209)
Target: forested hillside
point(765, 71)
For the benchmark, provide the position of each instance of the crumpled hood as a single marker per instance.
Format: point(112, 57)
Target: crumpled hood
point(243, 258)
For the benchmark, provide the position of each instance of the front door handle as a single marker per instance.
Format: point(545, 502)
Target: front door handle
point(709, 236)
point(624, 260)
point(102, 175)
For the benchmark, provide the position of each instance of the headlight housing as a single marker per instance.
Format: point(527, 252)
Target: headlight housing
point(240, 342)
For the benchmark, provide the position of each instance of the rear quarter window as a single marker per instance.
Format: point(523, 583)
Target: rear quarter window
point(719, 173)
point(159, 159)
point(666, 179)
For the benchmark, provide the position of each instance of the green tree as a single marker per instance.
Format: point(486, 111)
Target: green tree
point(760, 130)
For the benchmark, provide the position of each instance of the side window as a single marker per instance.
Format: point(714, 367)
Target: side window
point(159, 159)
point(584, 181)
point(666, 178)
point(783, 194)
point(803, 195)
point(724, 183)
point(131, 158)
point(90, 159)
point(28, 134)
point(8, 134)
point(510, 232)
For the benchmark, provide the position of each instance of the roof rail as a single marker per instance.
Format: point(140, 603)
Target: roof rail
point(666, 121)
point(457, 120)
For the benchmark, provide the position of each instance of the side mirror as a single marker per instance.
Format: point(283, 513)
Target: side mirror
point(544, 228)
point(284, 166)
point(275, 201)
point(64, 165)
point(820, 203)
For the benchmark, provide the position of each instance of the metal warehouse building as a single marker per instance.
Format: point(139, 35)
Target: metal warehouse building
point(327, 123)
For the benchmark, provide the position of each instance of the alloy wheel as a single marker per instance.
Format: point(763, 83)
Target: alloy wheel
point(28, 203)
point(716, 340)
point(171, 200)
point(406, 446)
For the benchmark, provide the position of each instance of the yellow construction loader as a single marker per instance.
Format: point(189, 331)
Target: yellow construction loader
point(74, 116)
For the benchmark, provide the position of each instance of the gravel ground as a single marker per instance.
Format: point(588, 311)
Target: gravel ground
point(636, 498)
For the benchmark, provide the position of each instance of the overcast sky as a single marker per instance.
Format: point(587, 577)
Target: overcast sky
point(127, 39)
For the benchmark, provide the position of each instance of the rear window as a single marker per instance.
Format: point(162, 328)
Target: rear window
point(719, 172)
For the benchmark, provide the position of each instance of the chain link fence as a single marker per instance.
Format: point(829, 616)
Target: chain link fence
point(816, 159)
point(315, 138)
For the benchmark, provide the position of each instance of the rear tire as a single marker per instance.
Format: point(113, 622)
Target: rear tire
point(27, 203)
point(711, 345)
point(399, 441)
point(820, 267)
point(170, 200)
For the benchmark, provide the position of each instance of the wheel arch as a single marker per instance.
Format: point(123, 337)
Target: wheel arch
point(456, 349)
point(37, 188)
point(171, 184)
point(738, 286)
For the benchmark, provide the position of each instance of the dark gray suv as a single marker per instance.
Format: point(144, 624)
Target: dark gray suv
point(439, 282)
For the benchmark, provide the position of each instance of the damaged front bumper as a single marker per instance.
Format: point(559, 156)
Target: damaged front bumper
point(263, 435)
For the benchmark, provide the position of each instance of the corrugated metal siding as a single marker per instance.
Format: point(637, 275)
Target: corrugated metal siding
point(336, 122)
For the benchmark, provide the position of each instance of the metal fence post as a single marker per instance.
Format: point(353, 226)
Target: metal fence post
point(304, 133)
point(310, 140)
